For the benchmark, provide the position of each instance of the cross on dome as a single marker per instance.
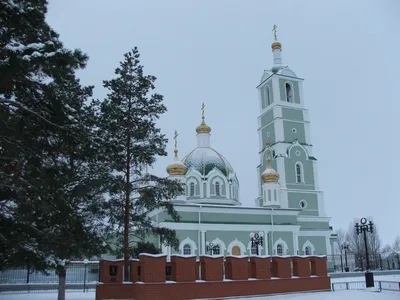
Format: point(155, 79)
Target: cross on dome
point(203, 127)
point(275, 44)
point(176, 167)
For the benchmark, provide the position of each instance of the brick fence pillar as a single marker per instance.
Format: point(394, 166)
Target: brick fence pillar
point(152, 267)
point(319, 266)
point(197, 270)
point(111, 271)
point(183, 268)
point(260, 267)
point(301, 266)
point(134, 270)
point(212, 268)
point(237, 267)
point(281, 267)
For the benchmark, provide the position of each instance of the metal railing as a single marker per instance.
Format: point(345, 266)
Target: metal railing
point(80, 276)
point(360, 285)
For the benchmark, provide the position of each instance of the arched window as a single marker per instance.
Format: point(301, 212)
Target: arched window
point(192, 189)
point(269, 195)
point(275, 198)
point(267, 96)
point(217, 189)
point(217, 250)
point(289, 92)
point(187, 250)
point(307, 250)
point(263, 102)
point(279, 250)
point(299, 174)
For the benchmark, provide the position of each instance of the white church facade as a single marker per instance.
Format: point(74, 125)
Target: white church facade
point(289, 211)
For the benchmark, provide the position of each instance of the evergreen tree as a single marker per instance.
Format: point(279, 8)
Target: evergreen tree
point(50, 182)
point(131, 143)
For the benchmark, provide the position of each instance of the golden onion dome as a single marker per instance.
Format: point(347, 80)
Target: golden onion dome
point(276, 45)
point(176, 167)
point(203, 128)
point(269, 175)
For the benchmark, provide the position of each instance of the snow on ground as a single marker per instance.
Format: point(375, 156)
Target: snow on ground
point(48, 296)
point(336, 295)
point(354, 295)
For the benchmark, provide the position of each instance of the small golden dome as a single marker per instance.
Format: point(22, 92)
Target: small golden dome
point(269, 175)
point(276, 45)
point(203, 127)
point(177, 167)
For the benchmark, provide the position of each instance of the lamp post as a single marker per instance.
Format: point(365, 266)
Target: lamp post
point(256, 239)
point(345, 247)
point(364, 228)
point(210, 248)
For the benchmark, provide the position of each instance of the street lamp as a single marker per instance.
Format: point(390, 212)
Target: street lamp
point(256, 239)
point(364, 228)
point(345, 247)
point(210, 247)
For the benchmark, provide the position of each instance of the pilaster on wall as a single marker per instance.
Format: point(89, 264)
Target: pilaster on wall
point(276, 91)
point(280, 166)
point(295, 243)
point(328, 245)
point(278, 130)
point(203, 242)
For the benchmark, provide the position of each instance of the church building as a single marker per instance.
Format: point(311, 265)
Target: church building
point(289, 212)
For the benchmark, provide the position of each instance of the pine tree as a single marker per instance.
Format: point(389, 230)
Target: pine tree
point(50, 182)
point(130, 144)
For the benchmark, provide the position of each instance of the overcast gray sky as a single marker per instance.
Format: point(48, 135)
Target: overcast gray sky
point(216, 51)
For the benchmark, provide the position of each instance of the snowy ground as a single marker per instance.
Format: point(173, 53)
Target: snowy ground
point(354, 295)
point(337, 295)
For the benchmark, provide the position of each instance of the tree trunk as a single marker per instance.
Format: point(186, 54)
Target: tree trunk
point(62, 274)
point(127, 202)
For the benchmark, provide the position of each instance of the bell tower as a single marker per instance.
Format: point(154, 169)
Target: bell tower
point(284, 122)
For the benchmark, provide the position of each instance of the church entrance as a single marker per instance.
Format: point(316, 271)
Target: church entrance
point(235, 250)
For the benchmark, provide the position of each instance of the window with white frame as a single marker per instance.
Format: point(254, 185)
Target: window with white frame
point(299, 174)
point(191, 189)
point(267, 96)
point(254, 250)
point(187, 250)
point(289, 92)
point(307, 250)
point(217, 189)
point(279, 250)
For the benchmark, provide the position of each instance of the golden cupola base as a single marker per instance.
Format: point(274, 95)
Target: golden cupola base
point(176, 167)
point(269, 175)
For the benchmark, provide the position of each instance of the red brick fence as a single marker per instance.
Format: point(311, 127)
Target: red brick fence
point(152, 277)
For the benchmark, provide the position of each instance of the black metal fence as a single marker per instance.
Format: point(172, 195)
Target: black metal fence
point(81, 276)
point(360, 285)
point(337, 263)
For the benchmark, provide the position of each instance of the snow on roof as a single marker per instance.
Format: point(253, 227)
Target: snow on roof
point(269, 171)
